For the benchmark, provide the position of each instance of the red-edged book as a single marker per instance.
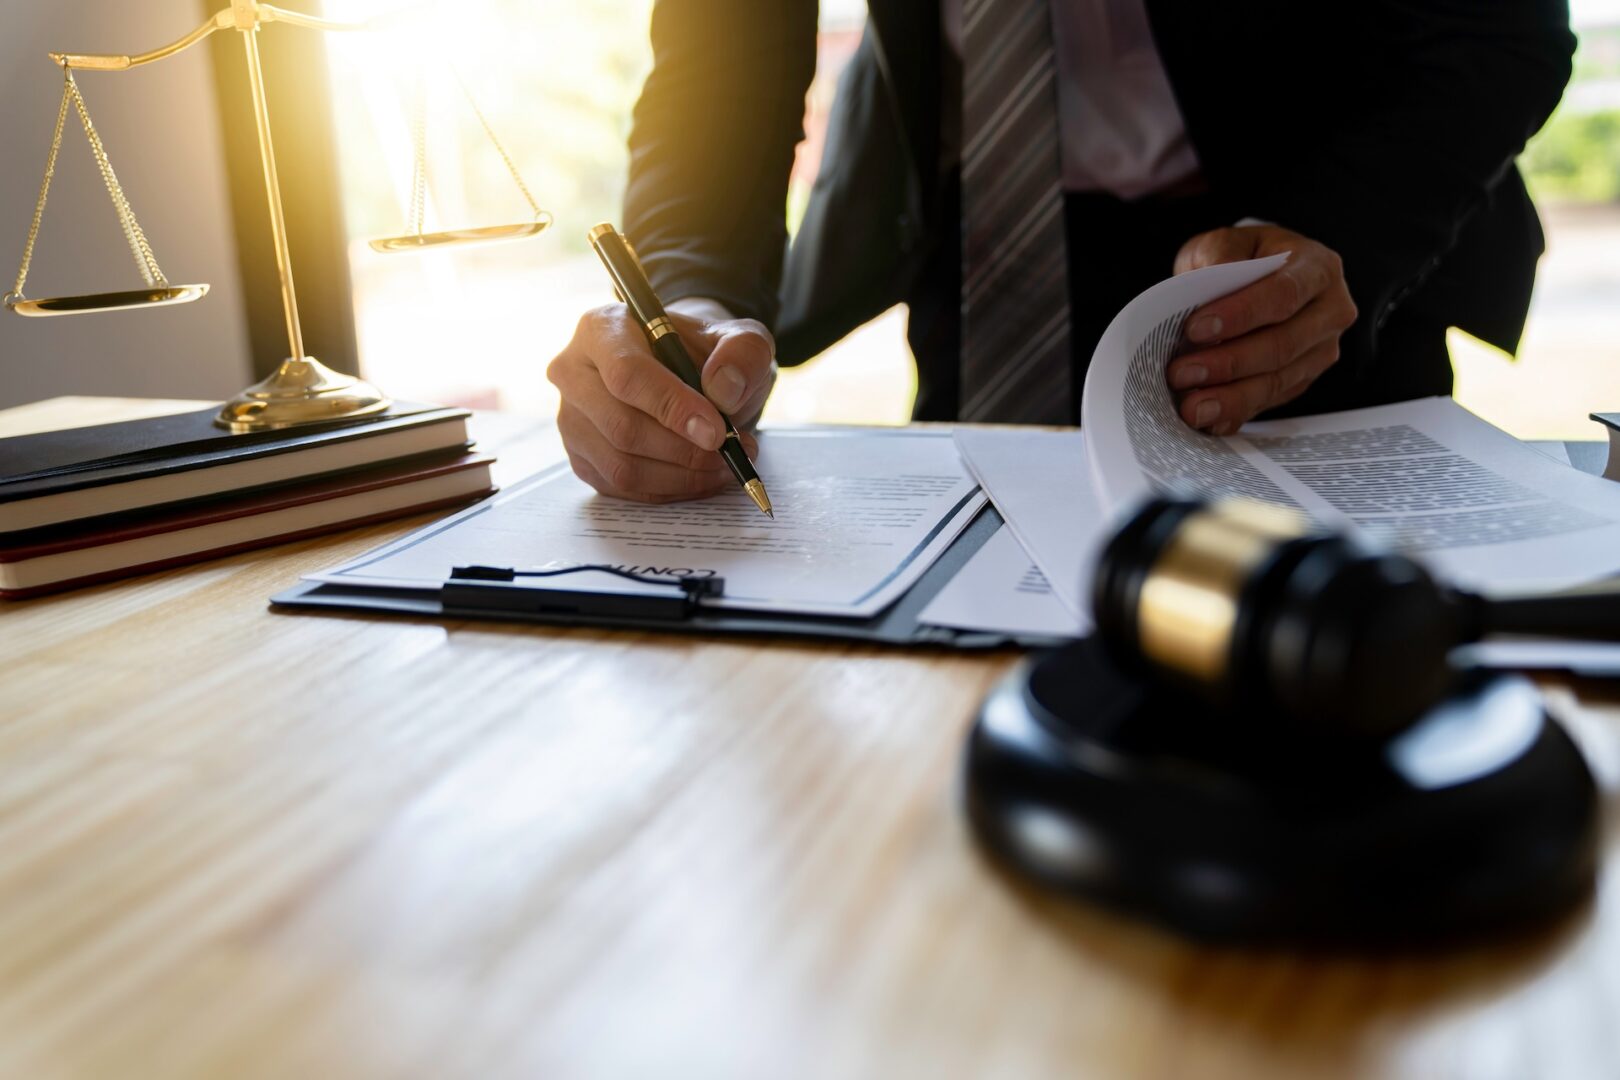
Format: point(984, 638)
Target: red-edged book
point(51, 559)
point(63, 477)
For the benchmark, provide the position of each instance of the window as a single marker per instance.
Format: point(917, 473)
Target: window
point(557, 81)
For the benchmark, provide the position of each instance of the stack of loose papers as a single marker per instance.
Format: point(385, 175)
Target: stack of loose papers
point(1481, 509)
point(861, 514)
point(1033, 576)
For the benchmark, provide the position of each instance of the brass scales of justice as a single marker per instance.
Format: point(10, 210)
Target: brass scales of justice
point(302, 390)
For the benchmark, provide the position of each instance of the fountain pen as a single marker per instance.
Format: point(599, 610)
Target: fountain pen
point(631, 283)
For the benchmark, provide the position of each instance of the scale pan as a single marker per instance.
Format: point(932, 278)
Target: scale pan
point(108, 301)
point(485, 234)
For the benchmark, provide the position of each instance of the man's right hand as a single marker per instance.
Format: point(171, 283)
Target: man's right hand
point(632, 428)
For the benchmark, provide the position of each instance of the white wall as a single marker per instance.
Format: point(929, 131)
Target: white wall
point(161, 130)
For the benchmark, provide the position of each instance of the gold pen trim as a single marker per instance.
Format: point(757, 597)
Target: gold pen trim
point(756, 491)
point(660, 327)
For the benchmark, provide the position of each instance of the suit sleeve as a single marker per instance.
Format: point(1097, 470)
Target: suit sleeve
point(1466, 83)
point(711, 146)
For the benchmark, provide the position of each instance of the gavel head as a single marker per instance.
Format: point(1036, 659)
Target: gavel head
point(1247, 606)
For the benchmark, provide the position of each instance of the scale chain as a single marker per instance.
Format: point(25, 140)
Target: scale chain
point(510, 167)
point(44, 190)
point(138, 246)
point(419, 173)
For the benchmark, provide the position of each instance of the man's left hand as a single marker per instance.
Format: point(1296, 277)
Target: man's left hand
point(1265, 344)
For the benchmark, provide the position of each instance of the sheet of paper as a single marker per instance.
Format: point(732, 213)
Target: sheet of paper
point(1428, 477)
point(1041, 484)
point(1597, 659)
point(1138, 443)
point(861, 513)
point(1001, 590)
point(1431, 478)
point(1555, 449)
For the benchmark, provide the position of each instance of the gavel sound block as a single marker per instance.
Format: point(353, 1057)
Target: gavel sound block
point(1264, 742)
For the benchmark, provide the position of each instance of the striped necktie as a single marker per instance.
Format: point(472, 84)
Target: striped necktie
point(1015, 295)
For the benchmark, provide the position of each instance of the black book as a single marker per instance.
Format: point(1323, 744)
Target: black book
point(89, 472)
point(1612, 422)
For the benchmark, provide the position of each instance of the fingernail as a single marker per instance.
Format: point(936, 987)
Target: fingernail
point(1208, 411)
point(1188, 375)
point(1207, 328)
point(729, 387)
point(701, 432)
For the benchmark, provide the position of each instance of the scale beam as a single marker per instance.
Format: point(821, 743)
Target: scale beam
point(239, 16)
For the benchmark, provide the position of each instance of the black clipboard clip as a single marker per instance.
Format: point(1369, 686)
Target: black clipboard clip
point(497, 588)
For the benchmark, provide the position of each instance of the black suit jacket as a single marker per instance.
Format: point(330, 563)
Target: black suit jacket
point(1386, 129)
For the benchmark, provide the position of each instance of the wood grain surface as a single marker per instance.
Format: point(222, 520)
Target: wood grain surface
point(235, 843)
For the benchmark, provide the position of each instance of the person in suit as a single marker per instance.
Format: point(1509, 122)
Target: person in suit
point(1056, 157)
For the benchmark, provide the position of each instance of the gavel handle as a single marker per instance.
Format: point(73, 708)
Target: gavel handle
point(1593, 614)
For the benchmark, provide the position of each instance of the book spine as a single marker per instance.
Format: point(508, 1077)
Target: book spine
point(246, 545)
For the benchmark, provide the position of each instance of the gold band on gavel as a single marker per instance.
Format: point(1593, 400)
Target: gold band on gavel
point(1187, 611)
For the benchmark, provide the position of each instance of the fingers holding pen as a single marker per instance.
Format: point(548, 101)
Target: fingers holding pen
point(624, 427)
point(632, 428)
point(614, 348)
point(628, 475)
point(740, 369)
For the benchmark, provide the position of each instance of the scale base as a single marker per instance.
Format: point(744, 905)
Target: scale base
point(300, 391)
point(1480, 818)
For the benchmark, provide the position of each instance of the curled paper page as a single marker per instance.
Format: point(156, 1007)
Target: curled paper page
point(1138, 443)
point(1427, 477)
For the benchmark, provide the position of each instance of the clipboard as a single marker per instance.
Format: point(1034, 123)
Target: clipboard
point(895, 625)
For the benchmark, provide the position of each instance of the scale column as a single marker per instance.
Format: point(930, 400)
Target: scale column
point(272, 187)
point(302, 390)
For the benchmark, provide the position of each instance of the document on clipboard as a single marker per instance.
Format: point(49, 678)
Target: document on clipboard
point(861, 514)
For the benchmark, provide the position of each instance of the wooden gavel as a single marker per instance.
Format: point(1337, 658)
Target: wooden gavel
point(1251, 608)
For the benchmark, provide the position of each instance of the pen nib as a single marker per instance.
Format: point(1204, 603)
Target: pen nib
point(756, 491)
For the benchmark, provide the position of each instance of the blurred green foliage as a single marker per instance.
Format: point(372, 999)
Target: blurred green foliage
point(1576, 157)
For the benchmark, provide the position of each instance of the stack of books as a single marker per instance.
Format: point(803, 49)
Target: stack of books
point(92, 503)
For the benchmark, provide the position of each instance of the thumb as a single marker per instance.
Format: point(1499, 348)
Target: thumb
point(1217, 246)
point(738, 369)
point(698, 335)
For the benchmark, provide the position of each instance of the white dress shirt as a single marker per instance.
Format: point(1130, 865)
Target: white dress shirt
point(1120, 127)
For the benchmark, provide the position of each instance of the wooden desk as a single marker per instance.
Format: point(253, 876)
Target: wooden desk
point(241, 844)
